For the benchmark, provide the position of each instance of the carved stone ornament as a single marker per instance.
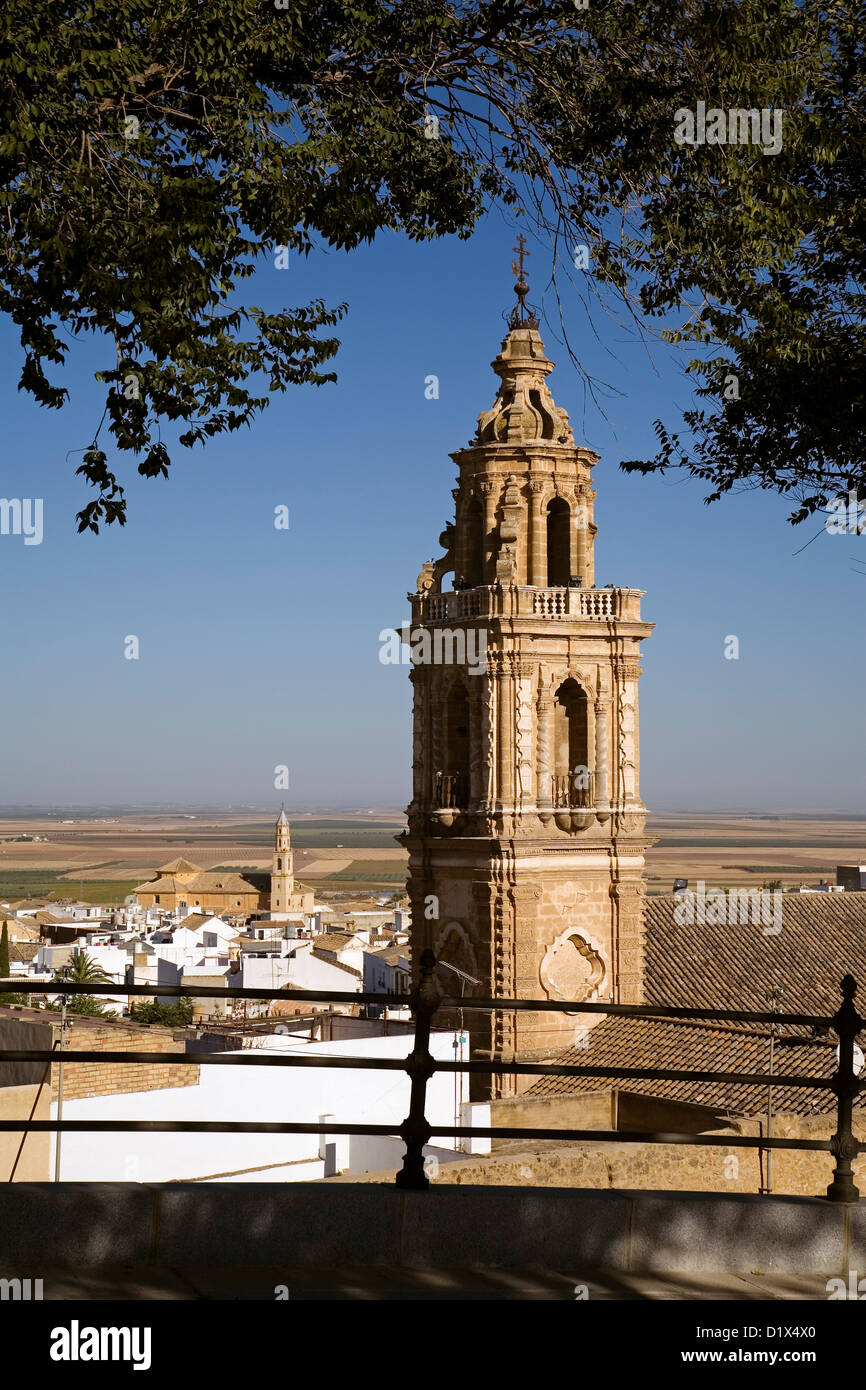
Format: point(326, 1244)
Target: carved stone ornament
point(572, 968)
point(453, 945)
point(425, 578)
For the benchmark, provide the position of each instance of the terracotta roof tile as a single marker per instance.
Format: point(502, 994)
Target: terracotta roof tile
point(336, 941)
point(672, 1045)
point(202, 883)
point(338, 965)
point(822, 938)
point(179, 866)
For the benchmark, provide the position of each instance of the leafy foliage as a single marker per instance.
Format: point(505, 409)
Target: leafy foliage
point(85, 1006)
point(82, 970)
point(176, 1015)
point(774, 249)
point(151, 152)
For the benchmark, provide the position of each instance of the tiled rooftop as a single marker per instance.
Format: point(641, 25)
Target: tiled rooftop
point(823, 937)
point(732, 967)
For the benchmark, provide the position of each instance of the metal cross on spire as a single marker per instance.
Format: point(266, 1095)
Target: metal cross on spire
point(520, 248)
point(520, 314)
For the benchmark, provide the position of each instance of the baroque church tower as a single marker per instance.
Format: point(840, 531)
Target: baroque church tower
point(282, 867)
point(287, 897)
point(526, 830)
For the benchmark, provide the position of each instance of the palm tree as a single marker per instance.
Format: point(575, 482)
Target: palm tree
point(82, 970)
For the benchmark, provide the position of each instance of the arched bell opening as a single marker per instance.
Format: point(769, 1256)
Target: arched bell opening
point(474, 545)
point(572, 777)
point(558, 543)
point(452, 790)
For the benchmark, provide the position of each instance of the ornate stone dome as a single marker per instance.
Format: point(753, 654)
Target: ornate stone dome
point(524, 410)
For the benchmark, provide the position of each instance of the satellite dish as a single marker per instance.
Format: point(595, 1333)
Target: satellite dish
point(859, 1059)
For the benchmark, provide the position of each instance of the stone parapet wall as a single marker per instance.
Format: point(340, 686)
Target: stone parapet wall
point(166, 1225)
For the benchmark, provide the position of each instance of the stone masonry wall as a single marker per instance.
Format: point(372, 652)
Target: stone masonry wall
point(667, 1167)
point(82, 1080)
point(671, 1167)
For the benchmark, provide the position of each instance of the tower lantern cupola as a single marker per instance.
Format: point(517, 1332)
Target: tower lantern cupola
point(524, 500)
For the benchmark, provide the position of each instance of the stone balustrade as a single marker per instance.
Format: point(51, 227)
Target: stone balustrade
point(599, 605)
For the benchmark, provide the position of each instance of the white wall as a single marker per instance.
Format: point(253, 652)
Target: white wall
point(378, 1153)
point(157, 971)
point(307, 971)
point(227, 1092)
point(270, 973)
point(112, 959)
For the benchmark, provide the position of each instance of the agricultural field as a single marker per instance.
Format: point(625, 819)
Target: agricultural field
point(102, 858)
point(16, 884)
point(751, 849)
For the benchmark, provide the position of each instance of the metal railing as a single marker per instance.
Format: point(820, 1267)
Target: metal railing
point(450, 790)
point(425, 1001)
point(570, 791)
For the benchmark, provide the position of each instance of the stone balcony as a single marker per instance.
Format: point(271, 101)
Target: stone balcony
point(497, 601)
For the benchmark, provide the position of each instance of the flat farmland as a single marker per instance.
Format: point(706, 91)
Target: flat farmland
point(103, 857)
point(751, 849)
point(83, 856)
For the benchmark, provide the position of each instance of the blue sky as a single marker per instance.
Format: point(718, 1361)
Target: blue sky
point(260, 647)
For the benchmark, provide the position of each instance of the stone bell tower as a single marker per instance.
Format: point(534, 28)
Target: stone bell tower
point(526, 829)
point(282, 869)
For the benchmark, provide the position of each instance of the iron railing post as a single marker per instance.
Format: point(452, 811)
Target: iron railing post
point(415, 1131)
point(843, 1146)
point(58, 1135)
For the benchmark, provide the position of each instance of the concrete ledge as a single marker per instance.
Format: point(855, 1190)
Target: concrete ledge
point(315, 1225)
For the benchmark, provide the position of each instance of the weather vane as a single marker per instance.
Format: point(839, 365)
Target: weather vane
point(520, 315)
